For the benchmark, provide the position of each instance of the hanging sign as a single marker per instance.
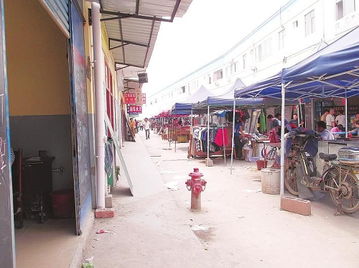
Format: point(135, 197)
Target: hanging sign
point(134, 109)
point(130, 98)
point(143, 98)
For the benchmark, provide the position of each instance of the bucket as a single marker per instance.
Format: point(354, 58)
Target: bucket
point(270, 179)
point(261, 164)
point(247, 152)
point(63, 204)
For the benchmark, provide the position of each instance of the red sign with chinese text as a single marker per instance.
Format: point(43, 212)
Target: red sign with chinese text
point(134, 109)
point(130, 98)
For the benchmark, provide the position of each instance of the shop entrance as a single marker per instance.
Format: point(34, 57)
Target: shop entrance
point(41, 131)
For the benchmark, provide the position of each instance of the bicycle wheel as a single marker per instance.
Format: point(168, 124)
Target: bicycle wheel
point(290, 180)
point(264, 153)
point(343, 189)
point(272, 154)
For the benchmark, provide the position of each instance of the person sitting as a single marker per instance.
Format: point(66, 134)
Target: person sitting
point(336, 129)
point(324, 133)
point(355, 132)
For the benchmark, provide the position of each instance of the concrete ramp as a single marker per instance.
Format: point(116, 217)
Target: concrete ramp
point(143, 174)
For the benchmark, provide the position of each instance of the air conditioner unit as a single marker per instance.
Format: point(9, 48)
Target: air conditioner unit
point(142, 78)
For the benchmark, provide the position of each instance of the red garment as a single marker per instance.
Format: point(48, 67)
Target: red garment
point(221, 137)
point(273, 136)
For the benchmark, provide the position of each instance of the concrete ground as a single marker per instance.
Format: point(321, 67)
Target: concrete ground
point(46, 245)
point(238, 226)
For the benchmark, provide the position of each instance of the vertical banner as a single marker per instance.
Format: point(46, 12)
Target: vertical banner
point(7, 248)
point(143, 98)
point(80, 125)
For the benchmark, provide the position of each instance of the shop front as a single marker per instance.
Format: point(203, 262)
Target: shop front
point(48, 129)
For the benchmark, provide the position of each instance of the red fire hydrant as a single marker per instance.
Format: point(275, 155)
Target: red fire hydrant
point(196, 185)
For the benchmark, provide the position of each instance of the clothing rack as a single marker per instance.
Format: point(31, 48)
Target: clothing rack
point(212, 142)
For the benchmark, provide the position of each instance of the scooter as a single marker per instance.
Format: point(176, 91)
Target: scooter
point(303, 179)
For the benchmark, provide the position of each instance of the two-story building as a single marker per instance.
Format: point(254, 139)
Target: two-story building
point(296, 30)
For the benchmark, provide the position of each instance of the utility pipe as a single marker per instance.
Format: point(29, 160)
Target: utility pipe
point(100, 136)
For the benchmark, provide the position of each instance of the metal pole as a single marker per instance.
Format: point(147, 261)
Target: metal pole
point(191, 118)
point(312, 104)
point(119, 114)
point(207, 133)
point(282, 144)
point(175, 137)
point(346, 116)
point(233, 129)
point(224, 147)
point(300, 117)
point(100, 104)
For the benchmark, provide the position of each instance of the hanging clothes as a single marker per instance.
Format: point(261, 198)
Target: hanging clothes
point(262, 122)
point(221, 138)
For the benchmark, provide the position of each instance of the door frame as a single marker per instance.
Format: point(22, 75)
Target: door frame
point(7, 233)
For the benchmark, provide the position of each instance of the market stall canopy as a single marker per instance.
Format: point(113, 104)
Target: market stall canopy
point(225, 99)
point(185, 107)
point(330, 72)
point(132, 27)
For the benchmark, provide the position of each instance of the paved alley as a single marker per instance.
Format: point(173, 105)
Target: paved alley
point(238, 226)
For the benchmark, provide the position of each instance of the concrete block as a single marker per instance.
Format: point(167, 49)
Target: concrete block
point(104, 213)
point(296, 205)
point(209, 162)
point(108, 201)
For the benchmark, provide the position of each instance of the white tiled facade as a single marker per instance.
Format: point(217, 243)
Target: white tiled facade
point(297, 30)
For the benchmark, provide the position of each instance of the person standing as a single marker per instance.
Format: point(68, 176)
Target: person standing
point(340, 119)
point(330, 119)
point(269, 122)
point(133, 127)
point(324, 116)
point(147, 126)
point(238, 142)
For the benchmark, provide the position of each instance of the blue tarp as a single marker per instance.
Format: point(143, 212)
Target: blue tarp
point(330, 72)
point(226, 99)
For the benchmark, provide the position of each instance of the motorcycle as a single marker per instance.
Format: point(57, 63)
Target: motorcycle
point(338, 177)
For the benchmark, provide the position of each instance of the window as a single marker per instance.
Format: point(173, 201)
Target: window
point(183, 89)
point(233, 67)
point(259, 52)
point(217, 75)
point(339, 10)
point(281, 36)
point(244, 61)
point(344, 7)
point(349, 6)
point(109, 97)
point(264, 49)
point(309, 23)
point(295, 24)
